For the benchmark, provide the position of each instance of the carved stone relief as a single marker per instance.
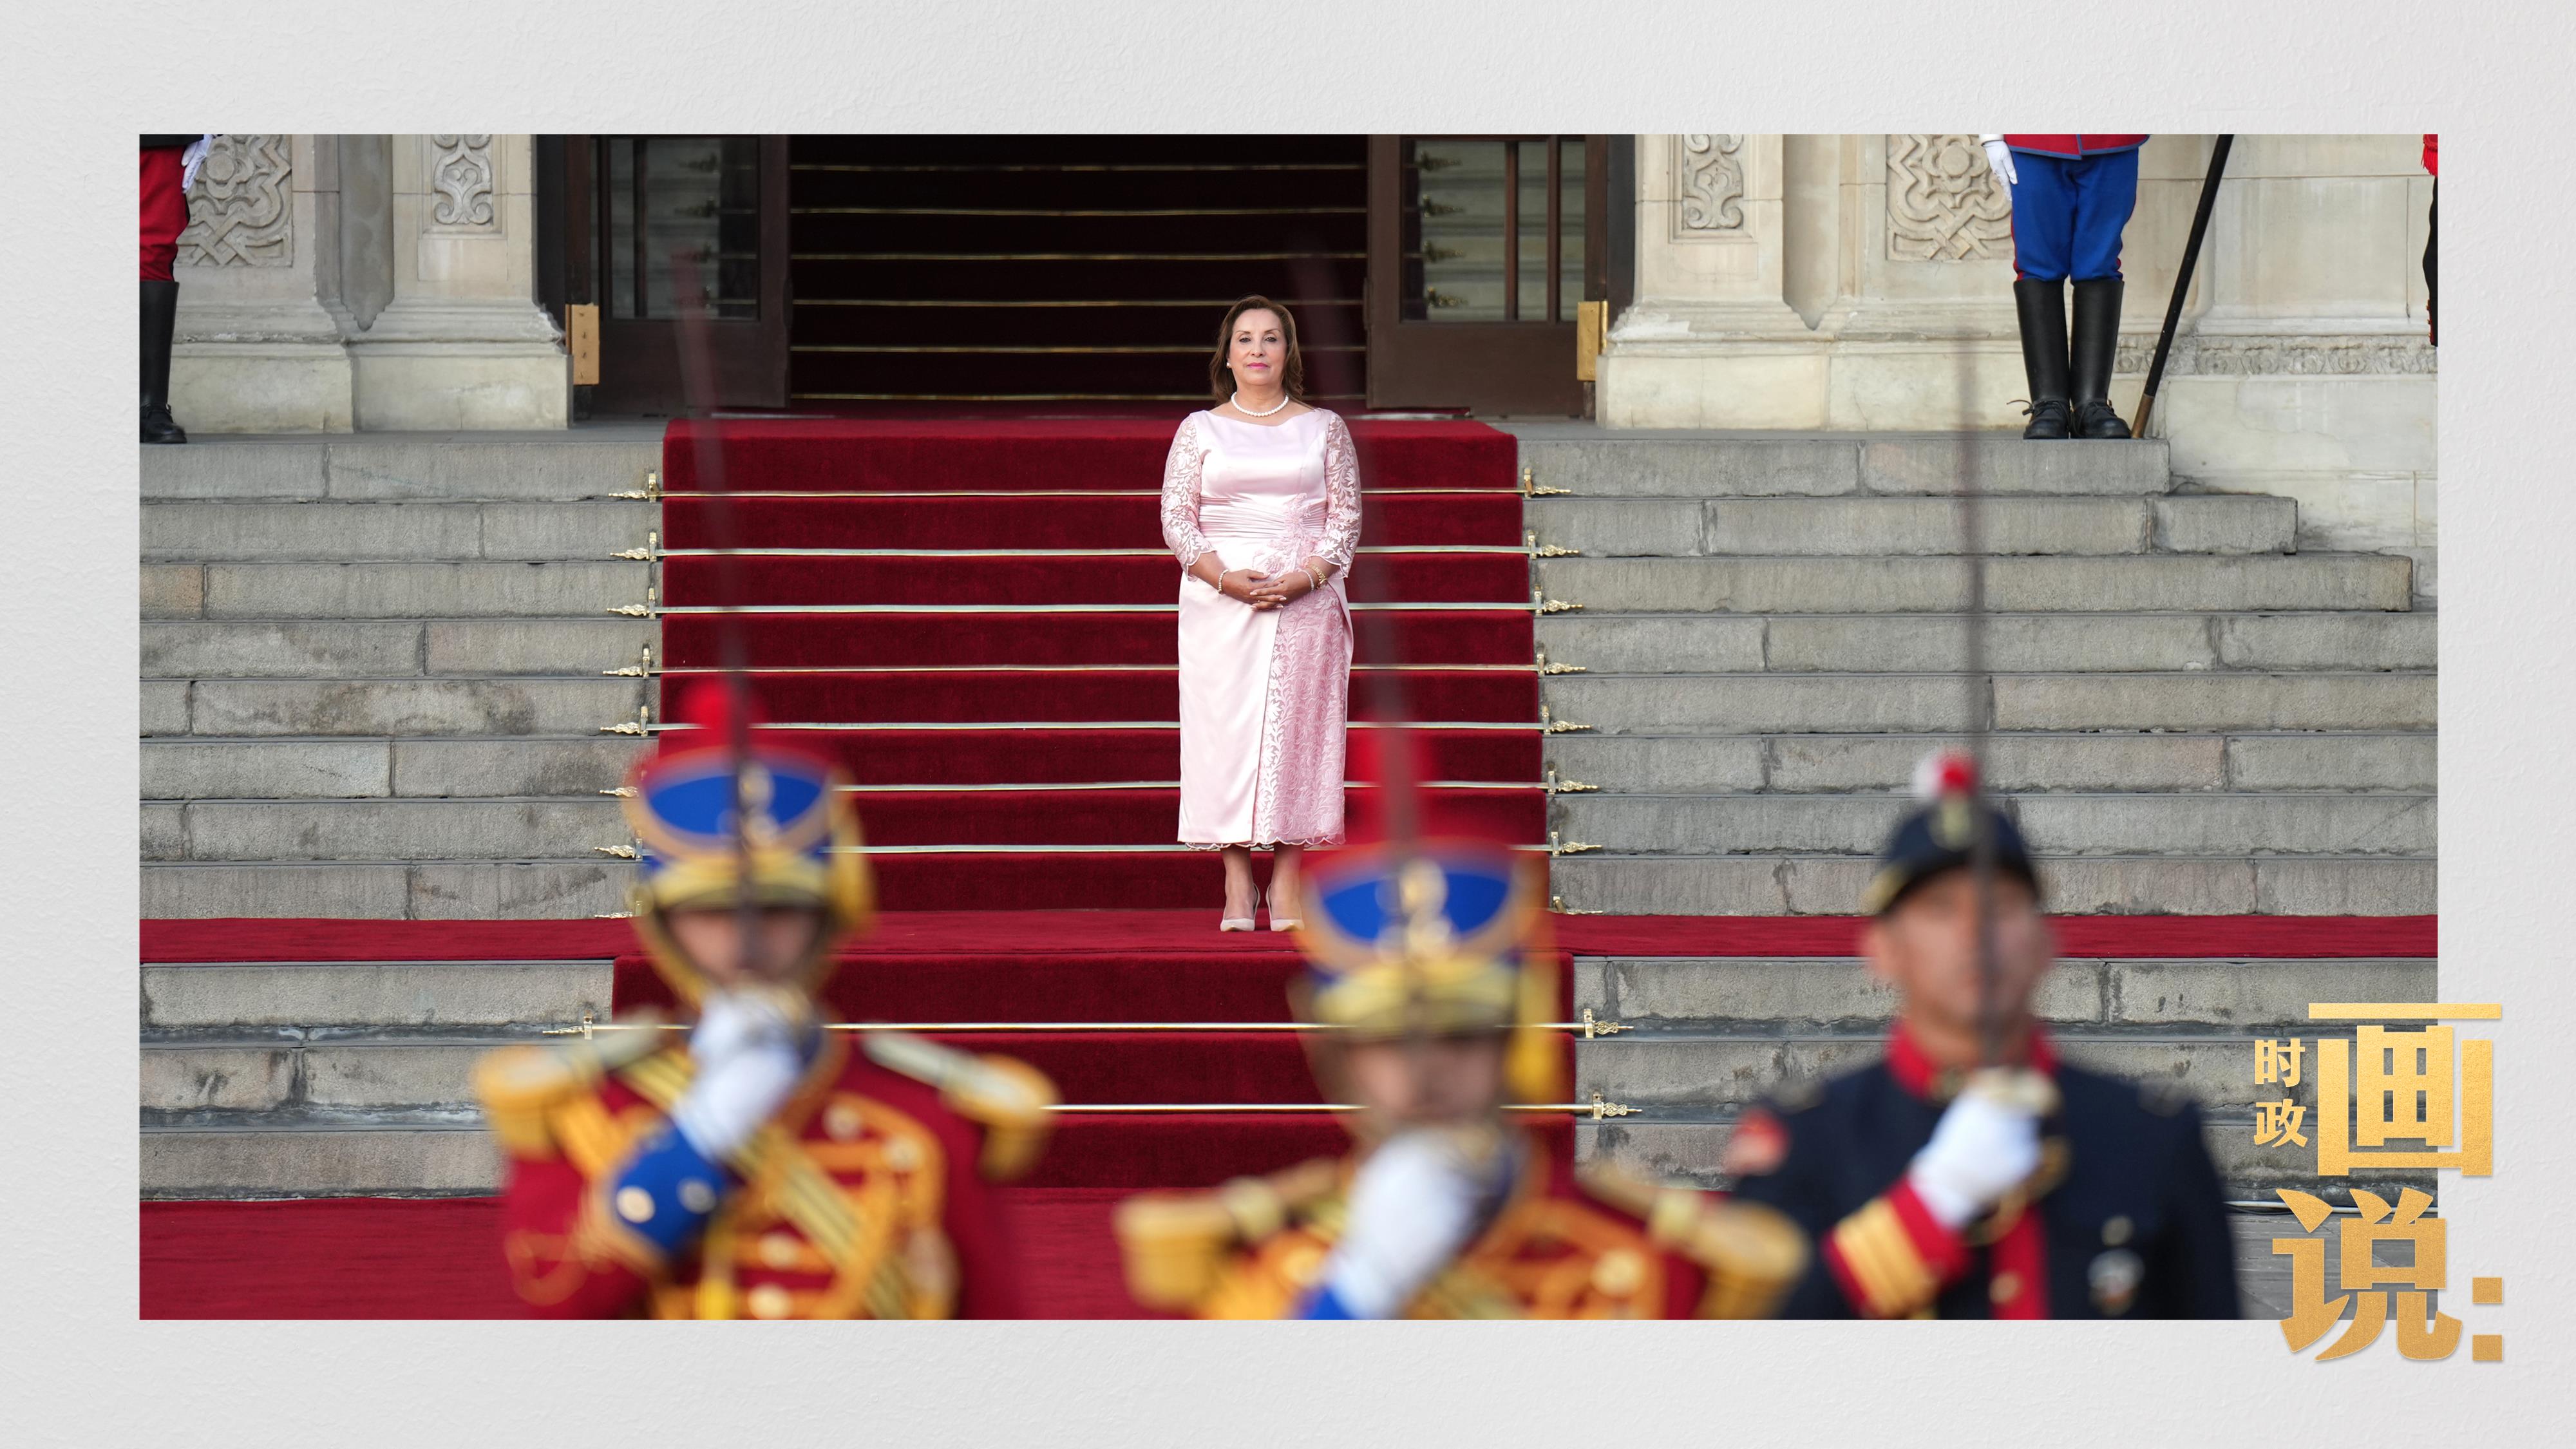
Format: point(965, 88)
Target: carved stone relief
point(2282, 356)
point(461, 184)
point(1943, 204)
point(1710, 172)
point(242, 210)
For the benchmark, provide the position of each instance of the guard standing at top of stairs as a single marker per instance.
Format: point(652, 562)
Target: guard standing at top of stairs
point(2071, 198)
point(169, 164)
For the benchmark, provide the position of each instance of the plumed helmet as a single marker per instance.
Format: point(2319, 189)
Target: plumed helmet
point(1940, 835)
point(800, 835)
point(1433, 937)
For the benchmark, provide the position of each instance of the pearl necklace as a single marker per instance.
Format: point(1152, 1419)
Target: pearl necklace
point(1237, 400)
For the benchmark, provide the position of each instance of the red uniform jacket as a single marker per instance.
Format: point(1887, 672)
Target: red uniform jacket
point(1567, 1244)
point(2072, 147)
point(918, 1235)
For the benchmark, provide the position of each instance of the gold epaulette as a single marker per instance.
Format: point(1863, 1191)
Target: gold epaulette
point(521, 1087)
point(1753, 1255)
point(1007, 1097)
point(1177, 1244)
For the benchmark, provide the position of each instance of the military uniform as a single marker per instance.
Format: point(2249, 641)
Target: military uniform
point(1566, 1244)
point(170, 164)
point(2124, 1216)
point(2072, 196)
point(1431, 940)
point(2126, 1219)
point(863, 1192)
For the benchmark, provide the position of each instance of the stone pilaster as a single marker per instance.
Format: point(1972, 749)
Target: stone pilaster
point(462, 344)
point(262, 342)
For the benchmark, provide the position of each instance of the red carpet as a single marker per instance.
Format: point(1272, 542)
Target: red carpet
point(911, 656)
point(1157, 943)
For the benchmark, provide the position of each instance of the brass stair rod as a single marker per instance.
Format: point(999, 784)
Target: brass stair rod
point(1590, 1026)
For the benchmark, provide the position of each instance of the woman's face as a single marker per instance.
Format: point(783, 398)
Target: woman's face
point(1258, 350)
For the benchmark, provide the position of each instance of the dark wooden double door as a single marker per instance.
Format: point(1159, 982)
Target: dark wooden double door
point(1078, 273)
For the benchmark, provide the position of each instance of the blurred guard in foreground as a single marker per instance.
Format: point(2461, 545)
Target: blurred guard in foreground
point(1417, 967)
point(1935, 1189)
point(764, 1167)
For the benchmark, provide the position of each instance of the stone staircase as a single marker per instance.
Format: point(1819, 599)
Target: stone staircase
point(378, 673)
point(1706, 1036)
point(292, 1079)
point(2191, 716)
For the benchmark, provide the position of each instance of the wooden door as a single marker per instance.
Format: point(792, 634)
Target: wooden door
point(1480, 249)
point(630, 204)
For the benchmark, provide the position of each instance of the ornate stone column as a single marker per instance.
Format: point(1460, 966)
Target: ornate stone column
point(1711, 340)
point(462, 344)
point(262, 339)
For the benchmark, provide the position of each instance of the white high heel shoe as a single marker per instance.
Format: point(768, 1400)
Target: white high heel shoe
point(1276, 924)
point(1238, 923)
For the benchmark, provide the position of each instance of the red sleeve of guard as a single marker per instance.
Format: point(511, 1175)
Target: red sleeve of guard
point(2432, 153)
point(541, 1241)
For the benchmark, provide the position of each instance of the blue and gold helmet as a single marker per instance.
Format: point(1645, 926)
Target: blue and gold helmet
point(801, 838)
point(1435, 938)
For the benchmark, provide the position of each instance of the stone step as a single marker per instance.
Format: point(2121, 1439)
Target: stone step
point(412, 590)
point(343, 649)
point(2015, 763)
point(1783, 883)
point(459, 890)
point(380, 1072)
point(202, 532)
point(418, 1153)
point(1915, 643)
point(296, 768)
point(238, 997)
point(1666, 1148)
point(2068, 824)
point(1710, 1070)
point(2267, 996)
point(361, 1154)
point(408, 830)
point(1702, 1070)
point(2192, 582)
point(1750, 465)
point(1881, 527)
point(1874, 703)
point(578, 463)
point(534, 705)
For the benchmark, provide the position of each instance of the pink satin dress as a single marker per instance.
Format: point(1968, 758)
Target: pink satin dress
point(1265, 694)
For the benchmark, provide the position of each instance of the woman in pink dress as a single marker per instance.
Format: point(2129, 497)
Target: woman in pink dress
point(1261, 505)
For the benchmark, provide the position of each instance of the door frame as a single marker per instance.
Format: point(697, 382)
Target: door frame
point(639, 370)
point(1514, 368)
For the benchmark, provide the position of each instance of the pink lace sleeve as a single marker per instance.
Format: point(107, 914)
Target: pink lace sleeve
point(1341, 496)
point(1181, 494)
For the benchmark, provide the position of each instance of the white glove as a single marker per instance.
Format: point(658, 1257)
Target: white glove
point(1419, 1199)
point(193, 158)
point(1985, 1145)
point(749, 1053)
point(1999, 160)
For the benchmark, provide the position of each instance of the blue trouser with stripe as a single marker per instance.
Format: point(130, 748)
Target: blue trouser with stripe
point(2068, 212)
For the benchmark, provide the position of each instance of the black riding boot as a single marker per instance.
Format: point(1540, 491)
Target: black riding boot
point(2043, 354)
point(160, 323)
point(2097, 341)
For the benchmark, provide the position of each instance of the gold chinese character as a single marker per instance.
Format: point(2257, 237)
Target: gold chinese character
point(2405, 1082)
point(2278, 1122)
point(2421, 1333)
point(2277, 1061)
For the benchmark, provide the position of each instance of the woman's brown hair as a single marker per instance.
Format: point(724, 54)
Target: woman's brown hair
point(1221, 377)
